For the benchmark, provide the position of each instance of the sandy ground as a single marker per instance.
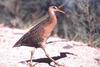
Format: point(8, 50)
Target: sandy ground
point(68, 53)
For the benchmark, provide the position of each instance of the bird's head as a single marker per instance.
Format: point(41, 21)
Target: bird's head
point(55, 9)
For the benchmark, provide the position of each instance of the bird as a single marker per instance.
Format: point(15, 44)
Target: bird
point(37, 36)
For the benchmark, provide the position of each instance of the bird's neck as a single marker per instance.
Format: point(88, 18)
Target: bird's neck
point(53, 18)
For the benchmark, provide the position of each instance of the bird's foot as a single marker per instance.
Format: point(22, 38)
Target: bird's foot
point(60, 65)
point(57, 65)
point(31, 65)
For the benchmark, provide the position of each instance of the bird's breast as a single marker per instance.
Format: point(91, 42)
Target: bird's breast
point(48, 29)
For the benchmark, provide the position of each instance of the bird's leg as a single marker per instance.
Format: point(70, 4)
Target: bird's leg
point(30, 63)
point(31, 56)
point(42, 46)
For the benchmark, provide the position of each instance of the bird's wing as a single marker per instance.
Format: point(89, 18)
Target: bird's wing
point(23, 38)
point(34, 34)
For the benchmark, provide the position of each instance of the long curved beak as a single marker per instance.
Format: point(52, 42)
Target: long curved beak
point(61, 8)
point(61, 11)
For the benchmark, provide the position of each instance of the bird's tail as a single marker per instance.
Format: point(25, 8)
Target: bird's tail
point(17, 44)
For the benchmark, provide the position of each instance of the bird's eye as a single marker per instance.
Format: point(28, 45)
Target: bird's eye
point(54, 7)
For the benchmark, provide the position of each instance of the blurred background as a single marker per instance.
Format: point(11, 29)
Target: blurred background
point(80, 23)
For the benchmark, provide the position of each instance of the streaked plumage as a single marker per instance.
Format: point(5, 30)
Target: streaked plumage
point(38, 35)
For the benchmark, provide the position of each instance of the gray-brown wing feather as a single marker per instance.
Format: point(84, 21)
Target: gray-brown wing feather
point(33, 37)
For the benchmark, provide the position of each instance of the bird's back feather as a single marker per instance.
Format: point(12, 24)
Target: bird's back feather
point(33, 37)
